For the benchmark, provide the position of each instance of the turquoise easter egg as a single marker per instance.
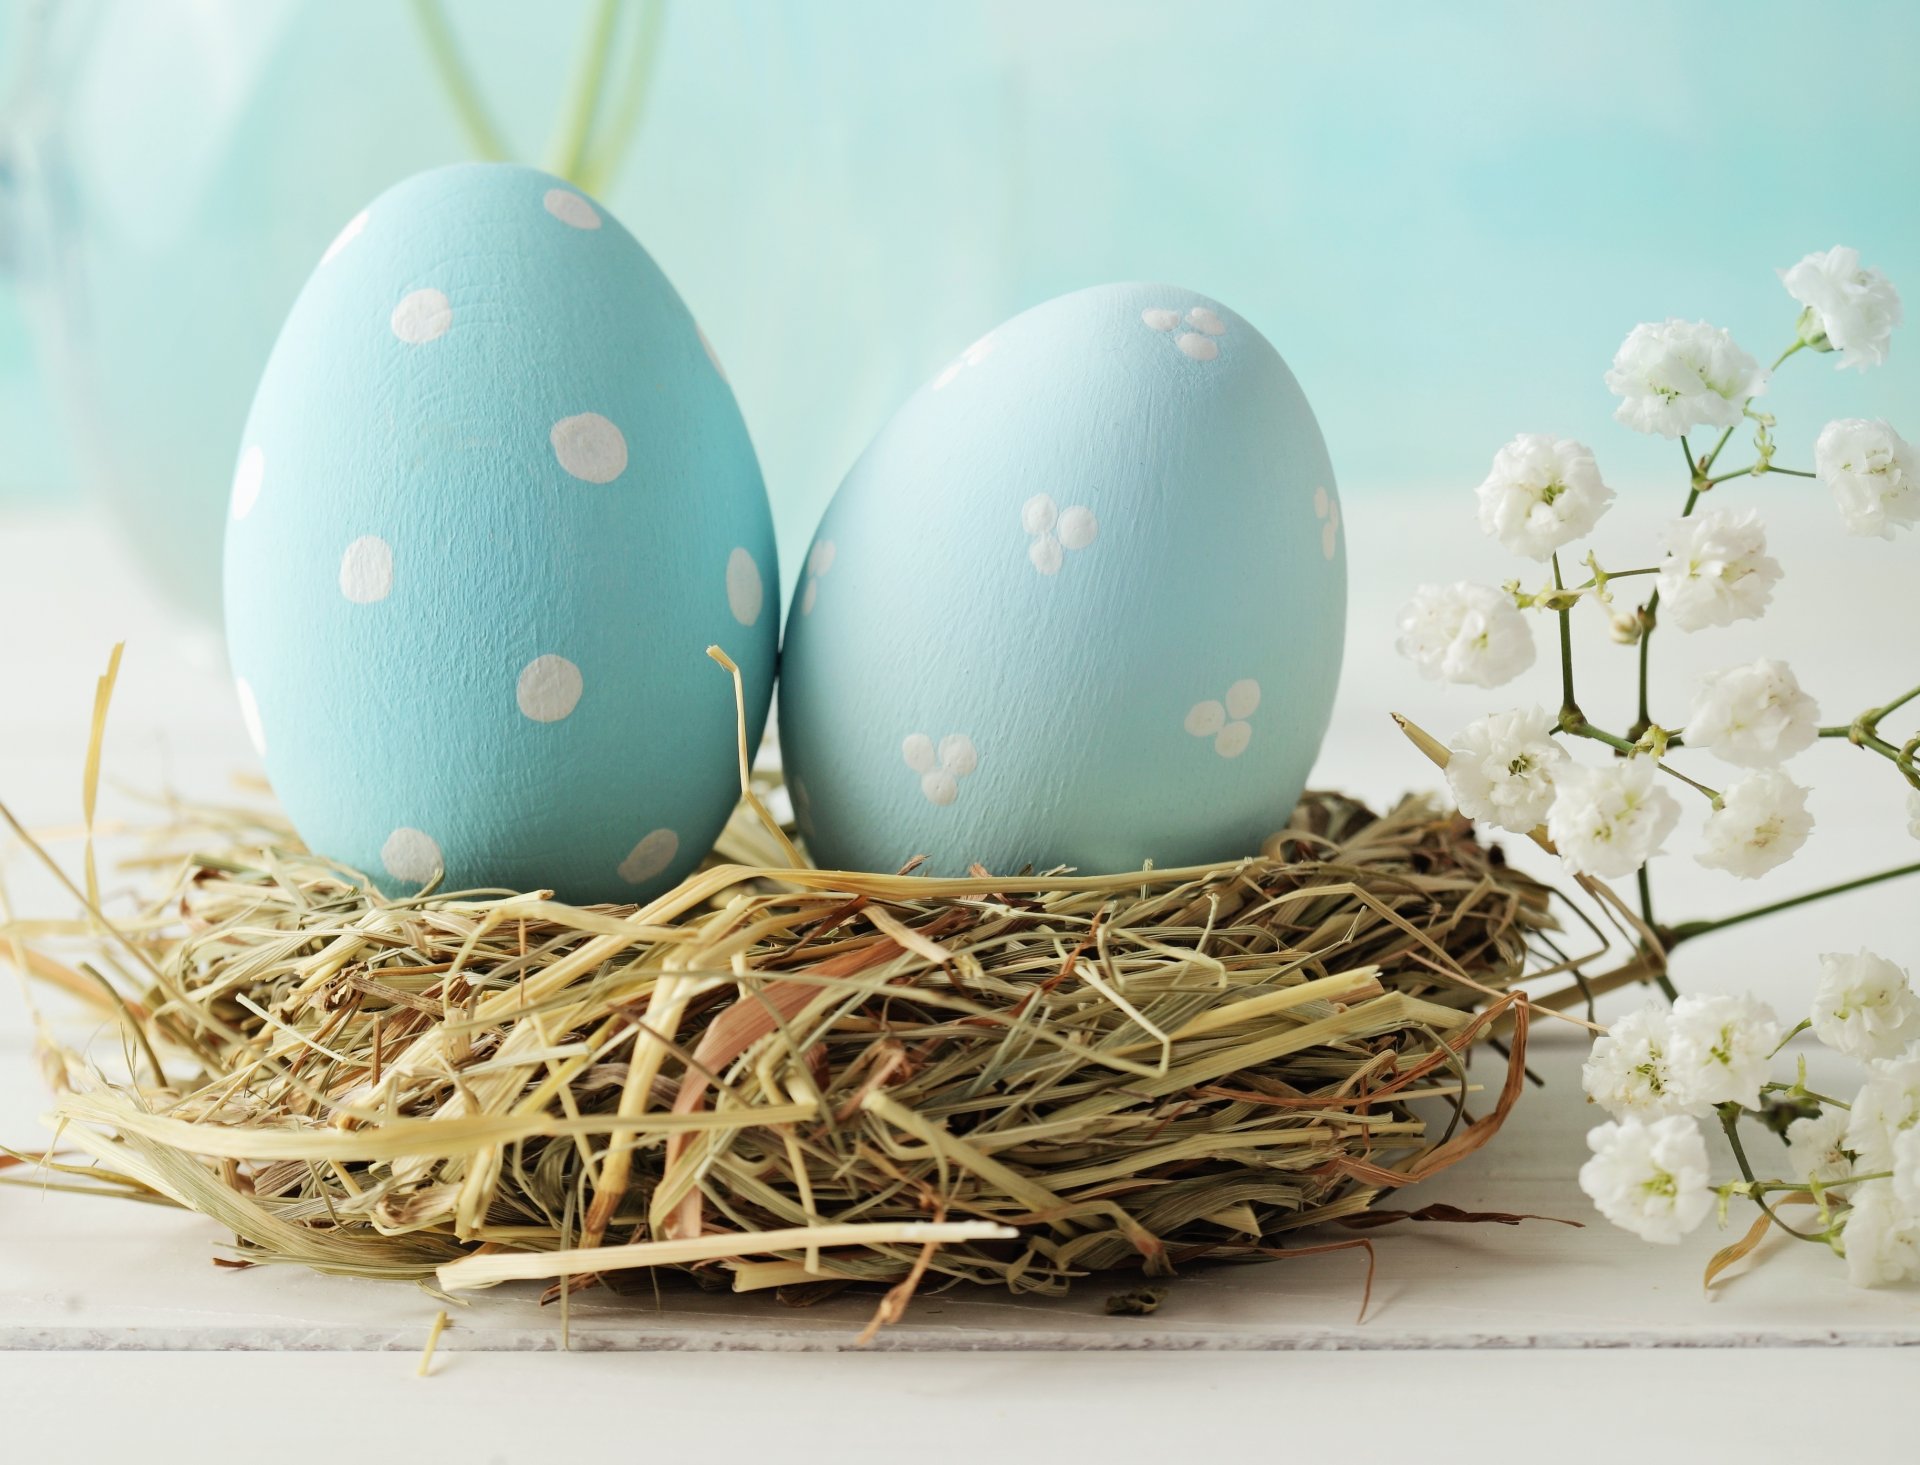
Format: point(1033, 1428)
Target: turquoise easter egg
point(1081, 602)
point(493, 502)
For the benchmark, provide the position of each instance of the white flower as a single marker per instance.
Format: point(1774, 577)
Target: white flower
point(1722, 1048)
point(1680, 374)
point(1762, 821)
point(1501, 768)
point(1652, 1179)
point(1817, 1147)
point(1610, 820)
point(1630, 1072)
point(1873, 474)
point(1887, 1104)
point(1906, 1169)
point(1754, 715)
point(1881, 1238)
point(1542, 492)
point(1849, 309)
point(1465, 633)
point(1864, 1006)
point(1717, 570)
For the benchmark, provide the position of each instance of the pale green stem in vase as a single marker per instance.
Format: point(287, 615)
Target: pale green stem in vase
point(482, 137)
point(609, 147)
point(568, 153)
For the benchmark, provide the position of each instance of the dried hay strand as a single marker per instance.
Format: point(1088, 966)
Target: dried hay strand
point(776, 1076)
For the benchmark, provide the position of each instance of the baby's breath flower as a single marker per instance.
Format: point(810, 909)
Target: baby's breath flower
point(1609, 820)
point(1817, 1147)
point(1630, 1071)
point(1754, 715)
point(1881, 1238)
point(1717, 570)
point(1761, 823)
point(1873, 474)
point(1906, 1168)
point(1887, 1104)
point(1465, 633)
point(1722, 1048)
point(1864, 1006)
point(1650, 1178)
point(1679, 375)
point(1543, 492)
point(1850, 308)
point(1501, 768)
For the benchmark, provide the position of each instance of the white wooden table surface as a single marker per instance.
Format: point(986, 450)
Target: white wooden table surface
point(79, 1275)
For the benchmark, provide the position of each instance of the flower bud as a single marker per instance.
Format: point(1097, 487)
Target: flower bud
point(1813, 330)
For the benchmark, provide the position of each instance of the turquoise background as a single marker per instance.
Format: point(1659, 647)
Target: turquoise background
point(1445, 217)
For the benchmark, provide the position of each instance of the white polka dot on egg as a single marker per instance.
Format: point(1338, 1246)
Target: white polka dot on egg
point(917, 750)
point(1078, 527)
point(366, 570)
point(422, 316)
point(589, 447)
point(549, 688)
point(250, 715)
point(1198, 347)
point(411, 855)
point(1160, 320)
point(1202, 319)
point(1233, 739)
point(1243, 697)
point(957, 754)
point(745, 591)
point(1204, 719)
point(250, 473)
point(1038, 514)
point(649, 857)
point(570, 208)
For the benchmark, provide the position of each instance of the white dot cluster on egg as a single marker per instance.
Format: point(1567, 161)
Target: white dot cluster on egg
point(494, 501)
point(1081, 602)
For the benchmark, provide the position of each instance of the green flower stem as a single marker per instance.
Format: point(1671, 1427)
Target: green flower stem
point(1756, 471)
point(1706, 464)
point(1864, 732)
point(568, 153)
point(1887, 708)
point(610, 144)
point(1730, 1123)
point(1569, 708)
point(482, 136)
point(1687, 930)
point(1798, 1089)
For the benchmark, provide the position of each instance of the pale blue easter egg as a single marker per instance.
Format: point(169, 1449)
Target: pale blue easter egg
point(493, 503)
point(1081, 602)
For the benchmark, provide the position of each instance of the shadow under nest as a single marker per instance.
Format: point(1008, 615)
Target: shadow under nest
point(778, 1077)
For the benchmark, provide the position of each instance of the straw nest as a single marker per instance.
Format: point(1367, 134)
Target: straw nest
point(776, 1076)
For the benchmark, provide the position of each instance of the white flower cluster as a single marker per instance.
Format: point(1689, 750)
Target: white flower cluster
point(1849, 308)
point(1659, 1071)
point(1544, 493)
point(1656, 1072)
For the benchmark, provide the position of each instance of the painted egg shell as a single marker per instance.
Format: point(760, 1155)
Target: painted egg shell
point(493, 503)
point(1081, 602)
